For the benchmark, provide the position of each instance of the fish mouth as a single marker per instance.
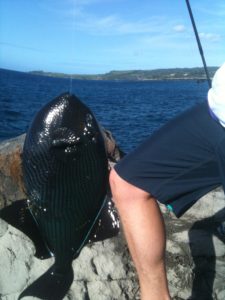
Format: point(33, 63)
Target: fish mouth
point(64, 137)
point(65, 140)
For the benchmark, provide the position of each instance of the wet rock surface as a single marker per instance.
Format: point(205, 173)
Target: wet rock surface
point(104, 271)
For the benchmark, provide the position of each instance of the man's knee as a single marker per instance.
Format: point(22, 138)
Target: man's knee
point(114, 180)
point(121, 189)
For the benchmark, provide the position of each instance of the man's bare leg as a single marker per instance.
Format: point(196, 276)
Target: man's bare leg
point(144, 230)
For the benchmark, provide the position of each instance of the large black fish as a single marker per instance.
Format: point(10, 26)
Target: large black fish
point(66, 175)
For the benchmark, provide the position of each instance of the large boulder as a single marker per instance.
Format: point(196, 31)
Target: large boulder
point(195, 253)
point(196, 249)
point(11, 181)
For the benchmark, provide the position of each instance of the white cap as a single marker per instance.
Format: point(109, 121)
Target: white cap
point(216, 95)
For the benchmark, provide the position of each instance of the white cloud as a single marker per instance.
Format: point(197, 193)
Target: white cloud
point(97, 23)
point(114, 25)
point(210, 36)
point(216, 9)
point(179, 28)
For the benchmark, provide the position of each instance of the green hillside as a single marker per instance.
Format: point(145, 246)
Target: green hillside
point(157, 74)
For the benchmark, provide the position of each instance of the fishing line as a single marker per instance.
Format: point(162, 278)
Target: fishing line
point(72, 44)
point(199, 43)
point(71, 84)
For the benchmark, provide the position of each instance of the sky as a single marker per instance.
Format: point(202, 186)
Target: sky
point(98, 36)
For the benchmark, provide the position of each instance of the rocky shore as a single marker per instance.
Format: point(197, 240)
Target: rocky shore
point(104, 270)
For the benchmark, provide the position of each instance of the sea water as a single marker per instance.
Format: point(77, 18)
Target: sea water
point(131, 110)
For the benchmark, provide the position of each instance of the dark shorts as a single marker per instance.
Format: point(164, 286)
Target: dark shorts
point(180, 162)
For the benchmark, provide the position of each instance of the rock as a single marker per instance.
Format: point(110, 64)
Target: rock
point(11, 181)
point(114, 152)
point(16, 253)
point(3, 227)
point(195, 249)
point(195, 253)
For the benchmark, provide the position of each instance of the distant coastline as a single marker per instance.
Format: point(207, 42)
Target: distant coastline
point(196, 73)
point(139, 75)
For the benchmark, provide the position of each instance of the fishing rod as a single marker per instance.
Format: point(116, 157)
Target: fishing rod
point(199, 43)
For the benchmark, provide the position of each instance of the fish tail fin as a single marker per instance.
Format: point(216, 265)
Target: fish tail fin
point(52, 285)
